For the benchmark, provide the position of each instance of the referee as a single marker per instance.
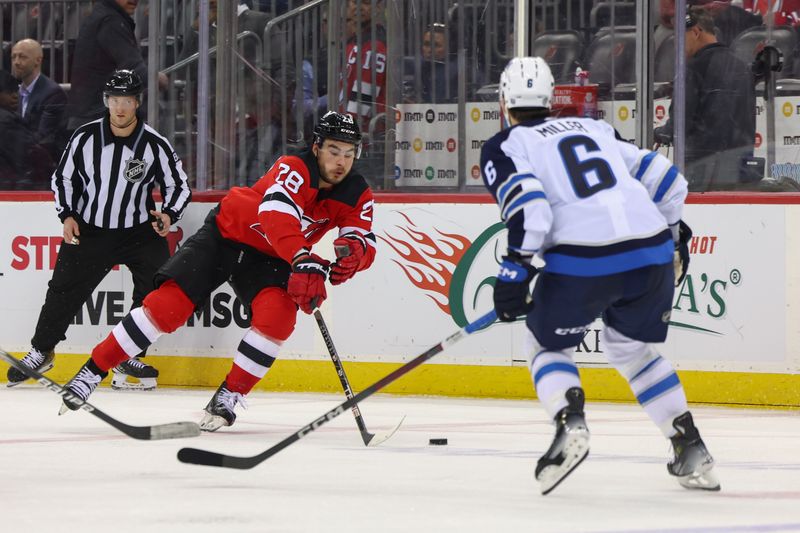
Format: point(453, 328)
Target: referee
point(103, 193)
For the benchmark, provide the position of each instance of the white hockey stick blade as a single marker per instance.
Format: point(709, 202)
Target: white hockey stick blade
point(379, 439)
point(175, 430)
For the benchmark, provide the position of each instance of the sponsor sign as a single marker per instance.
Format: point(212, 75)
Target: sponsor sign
point(426, 146)
point(435, 270)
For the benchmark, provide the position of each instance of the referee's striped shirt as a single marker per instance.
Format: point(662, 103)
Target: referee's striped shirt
point(108, 181)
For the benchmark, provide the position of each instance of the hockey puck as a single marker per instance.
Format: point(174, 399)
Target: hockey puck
point(437, 442)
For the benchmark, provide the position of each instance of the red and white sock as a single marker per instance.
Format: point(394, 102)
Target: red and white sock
point(128, 339)
point(252, 361)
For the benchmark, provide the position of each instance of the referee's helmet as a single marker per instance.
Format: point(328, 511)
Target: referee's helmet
point(124, 83)
point(338, 126)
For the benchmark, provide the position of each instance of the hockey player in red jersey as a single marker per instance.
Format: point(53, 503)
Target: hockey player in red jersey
point(365, 81)
point(259, 239)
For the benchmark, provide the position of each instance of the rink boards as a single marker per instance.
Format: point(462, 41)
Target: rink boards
point(734, 334)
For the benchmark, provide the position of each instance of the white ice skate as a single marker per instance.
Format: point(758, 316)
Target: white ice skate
point(570, 445)
point(219, 411)
point(133, 374)
point(691, 463)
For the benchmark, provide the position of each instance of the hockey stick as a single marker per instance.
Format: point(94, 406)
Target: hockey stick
point(369, 438)
point(175, 430)
point(204, 457)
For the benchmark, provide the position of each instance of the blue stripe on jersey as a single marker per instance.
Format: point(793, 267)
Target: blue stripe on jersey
point(646, 160)
point(665, 385)
point(522, 200)
point(555, 367)
point(505, 188)
point(610, 264)
point(647, 367)
point(666, 183)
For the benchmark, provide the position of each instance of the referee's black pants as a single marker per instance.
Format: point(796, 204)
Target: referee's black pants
point(80, 268)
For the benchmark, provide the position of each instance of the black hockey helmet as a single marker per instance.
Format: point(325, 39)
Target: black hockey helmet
point(338, 126)
point(124, 83)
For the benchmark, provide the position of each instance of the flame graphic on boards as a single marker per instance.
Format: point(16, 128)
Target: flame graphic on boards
point(428, 262)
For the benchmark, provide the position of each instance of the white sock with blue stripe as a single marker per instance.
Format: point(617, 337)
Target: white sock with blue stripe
point(553, 373)
point(652, 378)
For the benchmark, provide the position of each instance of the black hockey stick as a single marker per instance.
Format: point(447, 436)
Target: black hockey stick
point(204, 457)
point(369, 438)
point(175, 430)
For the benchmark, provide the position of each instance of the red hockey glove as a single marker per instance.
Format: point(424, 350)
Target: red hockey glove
point(307, 282)
point(350, 249)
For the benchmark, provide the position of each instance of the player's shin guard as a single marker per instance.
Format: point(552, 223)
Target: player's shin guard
point(129, 338)
point(651, 377)
point(553, 373)
point(252, 361)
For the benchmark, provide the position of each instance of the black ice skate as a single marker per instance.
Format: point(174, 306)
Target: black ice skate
point(219, 411)
point(692, 464)
point(40, 362)
point(82, 386)
point(570, 445)
point(133, 374)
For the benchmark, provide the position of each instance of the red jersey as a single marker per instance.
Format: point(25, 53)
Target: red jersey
point(286, 210)
point(360, 91)
point(784, 12)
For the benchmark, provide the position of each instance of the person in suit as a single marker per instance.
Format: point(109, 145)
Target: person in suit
point(24, 165)
point(42, 102)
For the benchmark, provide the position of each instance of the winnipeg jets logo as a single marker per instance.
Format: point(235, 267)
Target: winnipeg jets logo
point(134, 170)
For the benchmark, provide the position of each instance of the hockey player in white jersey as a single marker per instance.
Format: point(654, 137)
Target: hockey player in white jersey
point(605, 216)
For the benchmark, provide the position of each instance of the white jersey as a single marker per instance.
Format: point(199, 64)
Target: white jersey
point(586, 201)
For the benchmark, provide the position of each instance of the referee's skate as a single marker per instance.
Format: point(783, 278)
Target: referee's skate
point(134, 374)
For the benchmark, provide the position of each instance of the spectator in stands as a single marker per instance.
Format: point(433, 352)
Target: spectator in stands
point(23, 163)
point(730, 20)
point(666, 15)
point(106, 43)
point(364, 85)
point(365, 82)
point(279, 76)
point(42, 102)
point(720, 109)
point(315, 80)
point(783, 12)
point(439, 67)
point(191, 39)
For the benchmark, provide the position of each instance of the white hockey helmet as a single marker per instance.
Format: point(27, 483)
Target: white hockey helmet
point(526, 82)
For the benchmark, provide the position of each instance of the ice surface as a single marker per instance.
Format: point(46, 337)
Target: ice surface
point(75, 473)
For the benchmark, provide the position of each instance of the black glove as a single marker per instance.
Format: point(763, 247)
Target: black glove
point(512, 292)
point(662, 136)
point(680, 261)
